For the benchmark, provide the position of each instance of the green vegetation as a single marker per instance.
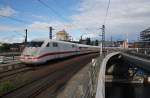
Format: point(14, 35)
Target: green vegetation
point(4, 47)
point(88, 41)
point(96, 42)
point(6, 87)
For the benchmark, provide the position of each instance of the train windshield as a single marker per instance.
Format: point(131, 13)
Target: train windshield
point(35, 44)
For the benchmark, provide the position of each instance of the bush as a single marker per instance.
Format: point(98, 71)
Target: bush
point(6, 87)
point(5, 47)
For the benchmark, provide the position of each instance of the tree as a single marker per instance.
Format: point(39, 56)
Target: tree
point(88, 41)
point(80, 41)
point(96, 42)
point(5, 47)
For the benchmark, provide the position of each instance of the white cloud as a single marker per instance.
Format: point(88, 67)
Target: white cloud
point(43, 26)
point(7, 11)
point(10, 33)
point(9, 28)
point(11, 40)
point(125, 16)
point(40, 17)
point(38, 25)
point(130, 16)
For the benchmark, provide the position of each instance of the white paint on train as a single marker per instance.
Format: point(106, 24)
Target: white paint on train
point(41, 51)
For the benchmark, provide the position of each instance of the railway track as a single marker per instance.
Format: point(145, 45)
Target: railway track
point(15, 71)
point(23, 68)
point(35, 87)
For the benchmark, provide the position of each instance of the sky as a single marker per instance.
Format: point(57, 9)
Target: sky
point(125, 19)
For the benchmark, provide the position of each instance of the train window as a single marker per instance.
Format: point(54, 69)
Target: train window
point(55, 45)
point(35, 44)
point(73, 45)
point(48, 45)
point(82, 47)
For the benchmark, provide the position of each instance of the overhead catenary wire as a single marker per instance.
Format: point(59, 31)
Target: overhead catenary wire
point(107, 10)
point(60, 6)
point(15, 19)
point(55, 12)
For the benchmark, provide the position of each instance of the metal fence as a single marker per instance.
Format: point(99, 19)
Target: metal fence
point(140, 52)
point(93, 76)
point(8, 59)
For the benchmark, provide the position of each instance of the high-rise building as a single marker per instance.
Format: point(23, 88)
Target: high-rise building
point(145, 37)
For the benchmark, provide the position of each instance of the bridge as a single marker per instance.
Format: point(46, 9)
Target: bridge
point(124, 67)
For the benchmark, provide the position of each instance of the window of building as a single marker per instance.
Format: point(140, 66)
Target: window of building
point(55, 44)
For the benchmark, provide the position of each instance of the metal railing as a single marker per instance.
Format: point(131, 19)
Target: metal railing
point(141, 52)
point(8, 59)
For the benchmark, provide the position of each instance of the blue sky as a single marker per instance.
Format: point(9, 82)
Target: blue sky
point(77, 17)
point(32, 11)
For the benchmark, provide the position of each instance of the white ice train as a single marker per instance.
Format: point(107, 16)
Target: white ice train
point(41, 51)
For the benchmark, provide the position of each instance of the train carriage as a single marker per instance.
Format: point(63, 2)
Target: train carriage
point(41, 51)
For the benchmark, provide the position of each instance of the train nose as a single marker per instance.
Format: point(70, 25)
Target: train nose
point(30, 51)
point(28, 59)
point(27, 56)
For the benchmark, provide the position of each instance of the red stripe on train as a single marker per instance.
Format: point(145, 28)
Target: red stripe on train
point(53, 53)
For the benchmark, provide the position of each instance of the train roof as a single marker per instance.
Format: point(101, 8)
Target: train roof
point(51, 40)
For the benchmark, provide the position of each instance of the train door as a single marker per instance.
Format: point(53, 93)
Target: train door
point(49, 51)
point(55, 49)
point(73, 49)
point(61, 50)
point(66, 50)
point(46, 52)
